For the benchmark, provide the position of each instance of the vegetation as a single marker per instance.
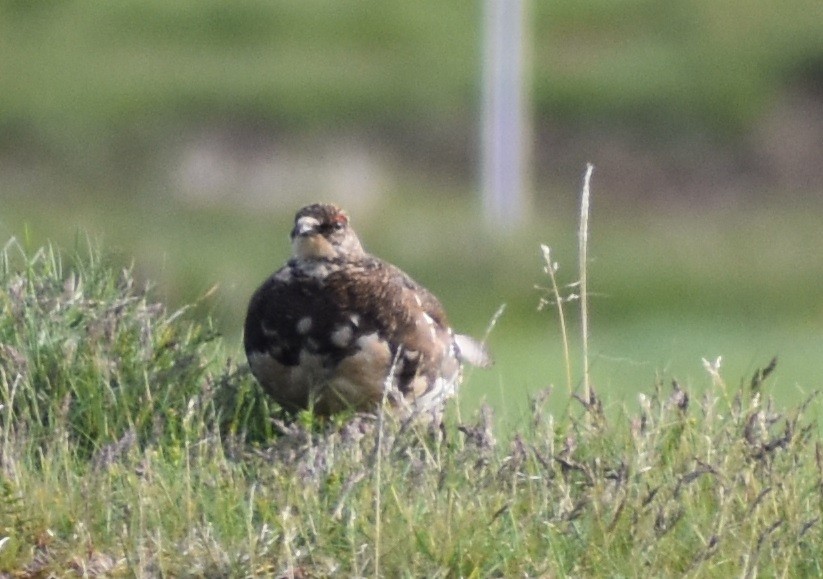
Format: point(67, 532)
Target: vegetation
point(737, 283)
point(130, 446)
point(96, 87)
point(109, 75)
point(134, 443)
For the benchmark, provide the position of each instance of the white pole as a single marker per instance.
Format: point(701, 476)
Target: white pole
point(504, 124)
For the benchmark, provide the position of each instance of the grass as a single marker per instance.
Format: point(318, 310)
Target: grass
point(132, 446)
point(735, 283)
point(89, 80)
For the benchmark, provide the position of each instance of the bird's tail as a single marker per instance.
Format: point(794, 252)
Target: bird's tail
point(472, 351)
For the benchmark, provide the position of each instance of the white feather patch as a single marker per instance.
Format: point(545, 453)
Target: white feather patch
point(472, 351)
point(304, 325)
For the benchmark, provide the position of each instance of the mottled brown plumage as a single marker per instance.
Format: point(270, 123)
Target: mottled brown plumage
point(329, 328)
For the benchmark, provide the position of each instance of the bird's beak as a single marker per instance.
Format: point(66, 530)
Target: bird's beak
point(305, 226)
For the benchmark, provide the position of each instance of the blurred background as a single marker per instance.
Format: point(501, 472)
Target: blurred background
point(182, 136)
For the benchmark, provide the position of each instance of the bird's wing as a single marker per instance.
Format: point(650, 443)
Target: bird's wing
point(402, 312)
point(397, 306)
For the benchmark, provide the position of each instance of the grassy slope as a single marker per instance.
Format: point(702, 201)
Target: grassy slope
point(80, 70)
point(130, 447)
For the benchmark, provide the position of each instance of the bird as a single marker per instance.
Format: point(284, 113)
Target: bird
point(337, 328)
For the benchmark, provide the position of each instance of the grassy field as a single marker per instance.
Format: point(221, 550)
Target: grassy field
point(135, 444)
point(101, 95)
point(130, 447)
point(314, 63)
point(101, 87)
point(669, 288)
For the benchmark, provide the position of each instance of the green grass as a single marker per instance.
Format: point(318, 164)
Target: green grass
point(91, 78)
point(669, 288)
point(131, 447)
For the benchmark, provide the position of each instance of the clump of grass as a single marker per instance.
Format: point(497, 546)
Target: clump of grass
point(130, 447)
point(84, 353)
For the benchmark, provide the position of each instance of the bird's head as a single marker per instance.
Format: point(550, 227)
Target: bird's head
point(322, 231)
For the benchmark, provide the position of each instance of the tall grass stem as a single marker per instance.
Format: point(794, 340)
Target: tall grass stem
point(551, 269)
